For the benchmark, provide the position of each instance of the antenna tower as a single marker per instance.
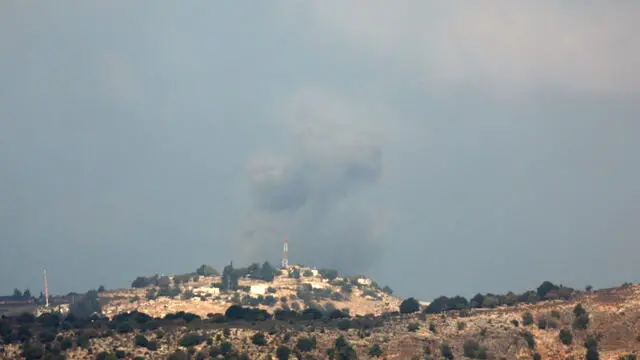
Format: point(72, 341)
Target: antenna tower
point(285, 253)
point(46, 289)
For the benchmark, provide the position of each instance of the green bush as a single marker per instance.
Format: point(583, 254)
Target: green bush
point(283, 352)
point(376, 351)
point(581, 322)
point(566, 337)
point(529, 339)
point(190, 340)
point(579, 310)
point(527, 319)
point(413, 327)
point(409, 306)
point(446, 351)
point(259, 339)
point(305, 344)
point(141, 341)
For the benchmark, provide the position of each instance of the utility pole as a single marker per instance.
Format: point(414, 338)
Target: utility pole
point(285, 253)
point(46, 289)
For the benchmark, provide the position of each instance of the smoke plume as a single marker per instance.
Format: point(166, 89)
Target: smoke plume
point(316, 192)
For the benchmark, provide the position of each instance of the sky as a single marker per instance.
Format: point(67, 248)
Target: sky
point(441, 148)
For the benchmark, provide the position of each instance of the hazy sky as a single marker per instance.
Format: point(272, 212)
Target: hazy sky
point(445, 147)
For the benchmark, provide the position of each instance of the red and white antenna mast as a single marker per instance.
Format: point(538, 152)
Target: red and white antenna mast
point(285, 253)
point(46, 289)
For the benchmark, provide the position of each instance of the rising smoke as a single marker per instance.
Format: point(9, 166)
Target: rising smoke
point(316, 192)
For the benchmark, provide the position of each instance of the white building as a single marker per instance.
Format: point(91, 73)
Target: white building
point(258, 289)
point(206, 290)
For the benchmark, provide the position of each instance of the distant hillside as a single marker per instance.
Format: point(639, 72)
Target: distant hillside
point(206, 292)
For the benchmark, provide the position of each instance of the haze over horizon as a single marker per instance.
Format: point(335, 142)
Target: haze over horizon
point(441, 148)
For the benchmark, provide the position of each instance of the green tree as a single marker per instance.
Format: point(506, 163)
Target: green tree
point(375, 351)
point(229, 278)
point(579, 310)
point(267, 271)
point(207, 270)
point(305, 344)
point(409, 305)
point(329, 274)
point(565, 337)
point(387, 290)
point(446, 351)
point(282, 353)
point(259, 339)
point(87, 305)
point(527, 319)
point(17, 293)
point(581, 322)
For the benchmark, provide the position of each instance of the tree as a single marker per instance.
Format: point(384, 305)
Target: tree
point(207, 270)
point(191, 339)
point(229, 278)
point(527, 319)
point(545, 288)
point(565, 337)
point(375, 351)
point(87, 305)
point(268, 272)
point(579, 310)
point(26, 294)
point(409, 305)
point(101, 289)
point(329, 274)
point(387, 290)
point(581, 322)
point(259, 339)
point(283, 352)
point(446, 351)
point(305, 344)
point(17, 293)
point(140, 282)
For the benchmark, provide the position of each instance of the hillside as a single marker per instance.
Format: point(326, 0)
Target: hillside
point(360, 295)
point(613, 321)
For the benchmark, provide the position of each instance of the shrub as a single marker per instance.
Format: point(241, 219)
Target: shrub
point(141, 341)
point(344, 324)
point(190, 340)
point(515, 322)
point(555, 314)
point(470, 348)
point(259, 339)
point(529, 339)
point(592, 354)
point(409, 306)
point(565, 337)
point(413, 327)
point(376, 351)
point(305, 344)
point(178, 355)
point(542, 323)
point(552, 324)
point(461, 325)
point(628, 357)
point(527, 319)
point(446, 351)
point(581, 322)
point(579, 310)
point(152, 345)
point(283, 353)
point(537, 356)
point(432, 328)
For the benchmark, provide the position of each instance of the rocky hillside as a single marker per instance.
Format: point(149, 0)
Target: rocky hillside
point(603, 324)
point(199, 295)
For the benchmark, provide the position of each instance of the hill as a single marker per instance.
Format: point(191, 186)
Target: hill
point(185, 317)
point(300, 287)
